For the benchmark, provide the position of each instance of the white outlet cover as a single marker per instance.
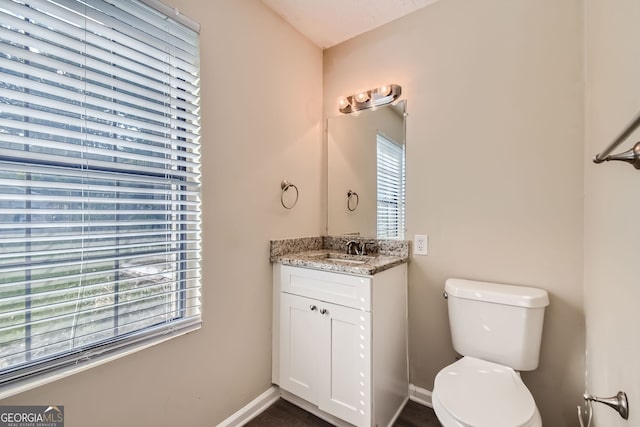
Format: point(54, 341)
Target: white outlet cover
point(420, 244)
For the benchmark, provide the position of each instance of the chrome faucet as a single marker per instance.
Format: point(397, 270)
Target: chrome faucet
point(352, 247)
point(356, 248)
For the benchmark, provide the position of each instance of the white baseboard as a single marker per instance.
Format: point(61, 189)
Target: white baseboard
point(420, 395)
point(273, 393)
point(253, 408)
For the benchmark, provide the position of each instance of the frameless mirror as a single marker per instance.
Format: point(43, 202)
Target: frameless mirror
point(366, 173)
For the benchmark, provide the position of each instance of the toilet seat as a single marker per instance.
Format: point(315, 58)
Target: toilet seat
point(476, 393)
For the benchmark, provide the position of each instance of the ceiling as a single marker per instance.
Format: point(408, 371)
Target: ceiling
point(329, 22)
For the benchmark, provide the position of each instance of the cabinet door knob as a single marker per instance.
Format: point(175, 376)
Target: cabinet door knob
point(323, 311)
point(313, 307)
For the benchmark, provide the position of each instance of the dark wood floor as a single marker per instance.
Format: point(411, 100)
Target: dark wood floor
point(283, 413)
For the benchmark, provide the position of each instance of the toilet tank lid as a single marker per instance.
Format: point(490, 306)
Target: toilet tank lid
point(521, 296)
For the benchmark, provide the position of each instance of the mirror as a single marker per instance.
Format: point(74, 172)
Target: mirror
point(366, 173)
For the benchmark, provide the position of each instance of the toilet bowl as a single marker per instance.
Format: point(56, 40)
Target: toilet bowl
point(497, 328)
point(476, 393)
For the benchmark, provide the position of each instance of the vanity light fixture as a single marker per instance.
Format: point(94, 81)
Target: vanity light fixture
point(362, 97)
point(371, 98)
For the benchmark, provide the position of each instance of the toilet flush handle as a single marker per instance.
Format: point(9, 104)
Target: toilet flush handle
point(445, 295)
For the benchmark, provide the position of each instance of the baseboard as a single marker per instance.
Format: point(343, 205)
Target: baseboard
point(253, 408)
point(273, 393)
point(312, 409)
point(420, 395)
point(398, 412)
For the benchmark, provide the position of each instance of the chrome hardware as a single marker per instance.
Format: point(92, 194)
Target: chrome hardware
point(371, 98)
point(351, 195)
point(356, 248)
point(445, 295)
point(351, 244)
point(286, 185)
point(363, 248)
point(630, 156)
point(323, 311)
point(313, 307)
point(618, 402)
point(588, 412)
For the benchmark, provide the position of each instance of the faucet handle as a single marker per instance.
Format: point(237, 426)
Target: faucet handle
point(363, 248)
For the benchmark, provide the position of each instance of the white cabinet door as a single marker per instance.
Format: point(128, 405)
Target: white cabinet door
point(325, 356)
point(303, 338)
point(346, 389)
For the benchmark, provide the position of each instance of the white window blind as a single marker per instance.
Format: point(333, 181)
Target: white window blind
point(390, 188)
point(99, 181)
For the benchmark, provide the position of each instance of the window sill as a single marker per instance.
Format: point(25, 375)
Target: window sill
point(81, 366)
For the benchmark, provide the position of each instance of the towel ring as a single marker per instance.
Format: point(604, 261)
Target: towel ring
point(350, 195)
point(285, 185)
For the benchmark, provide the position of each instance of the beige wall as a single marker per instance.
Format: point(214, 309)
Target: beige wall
point(495, 177)
point(494, 166)
point(261, 122)
point(612, 208)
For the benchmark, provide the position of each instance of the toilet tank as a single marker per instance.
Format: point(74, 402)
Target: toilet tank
point(496, 322)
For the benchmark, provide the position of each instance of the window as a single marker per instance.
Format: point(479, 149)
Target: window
point(99, 181)
point(390, 188)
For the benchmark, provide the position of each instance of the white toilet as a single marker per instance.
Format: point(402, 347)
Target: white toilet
point(497, 328)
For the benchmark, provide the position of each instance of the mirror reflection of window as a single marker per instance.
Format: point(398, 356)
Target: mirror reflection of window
point(390, 188)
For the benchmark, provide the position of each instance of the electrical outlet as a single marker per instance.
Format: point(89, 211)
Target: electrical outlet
point(420, 244)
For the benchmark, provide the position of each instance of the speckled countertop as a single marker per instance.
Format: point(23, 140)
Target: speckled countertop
point(328, 253)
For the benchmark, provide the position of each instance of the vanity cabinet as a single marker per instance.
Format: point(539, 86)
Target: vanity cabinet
point(340, 342)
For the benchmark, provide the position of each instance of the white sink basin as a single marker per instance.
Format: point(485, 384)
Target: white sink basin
point(345, 258)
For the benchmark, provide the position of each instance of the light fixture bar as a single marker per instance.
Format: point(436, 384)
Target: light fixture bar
point(382, 95)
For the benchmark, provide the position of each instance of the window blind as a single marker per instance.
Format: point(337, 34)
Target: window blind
point(390, 188)
point(99, 181)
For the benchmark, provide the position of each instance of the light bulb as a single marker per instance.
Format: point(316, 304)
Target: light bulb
point(384, 90)
point(343, 102)
point(362, 97)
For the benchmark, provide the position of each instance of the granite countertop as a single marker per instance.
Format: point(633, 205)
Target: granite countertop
point(327, 254)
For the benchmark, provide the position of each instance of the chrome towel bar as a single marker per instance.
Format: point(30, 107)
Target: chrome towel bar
point(631, 156)
point(619, 402)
